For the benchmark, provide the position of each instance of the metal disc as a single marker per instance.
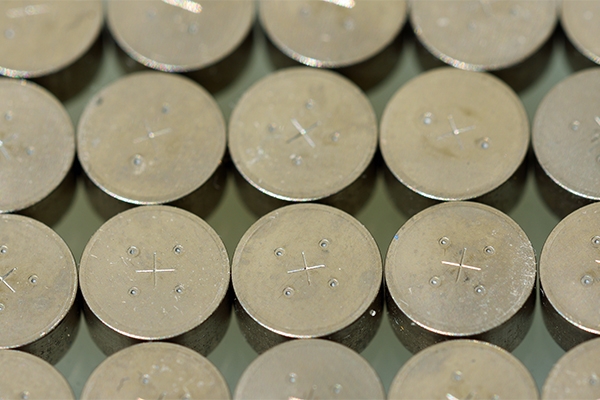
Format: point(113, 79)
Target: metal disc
point(302, 134)
point(576, 375)
point(581, 21)
point(566, 134)
point(460, 269)
point(44, 37)
point(306, 270)
point(309, 369)
point(463, 369)
point(482, 34)
point(156, 371)
point(23, 376)
point(460, 143)
point(570, 268)
point(37, 144)
point(38, 281)
point(151, 138)
point(332, 33)
point(155, 272)
point(179, 35)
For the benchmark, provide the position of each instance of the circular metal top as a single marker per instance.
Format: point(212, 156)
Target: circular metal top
point(38, 280)
point(570, 268)
point(309, 369)
point(581, 22)
point(154, 272)
point(37, 144)
point(566, 134)
point(179, 35)
point(482, 34)
point(458, 144)
point(39, 38)
point(576, 375)
point(306, 270)
point(23, 376)
point(156, 371)
point(151, 137)
point(332, 33)
point(460, 268)
point(463, 369)
point(302, 134)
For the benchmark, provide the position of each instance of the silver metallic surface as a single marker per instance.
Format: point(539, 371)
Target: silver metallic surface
point(37, 149)
point(309, 369)
point(307, 271)
point(152, 138)
point(454, 135)
point(570, 278)
point(156, 273)
point(23, 376)
point(302, 134)
point(565, 137)
point(460, 270)
point(481, 35)
point(463, 369)
point(39, 313)
point(156, 371)
point(332, 33)
point(580, 20)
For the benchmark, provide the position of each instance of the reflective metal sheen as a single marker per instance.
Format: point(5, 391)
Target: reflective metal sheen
point(580, 20)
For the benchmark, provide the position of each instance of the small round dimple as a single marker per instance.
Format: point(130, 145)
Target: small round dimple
point(480, 289)
point(9, 33)
point(134, 291)
point(435, 281)
point(179, 289)
point(337, 388)
point(457, 375)
point(33, 279)
point(335, 136)
point(3, 249)
point(145, 379)
point(310, 104)
point(133, 251)
point(292, 377)
point(272, 127)
point(178, 249)
point(333, 283)
point(137, 160)
point(489, 250)
point(484, 143)
point(165, 108)
point(25, 395)
point(587, 280)
point(99, 101)
point(596, 241)
point(29, 150)
point(296, 160)
point(427, 118)
point(324, 243)
point(279, 252)
point(8, 115)
point(444, 241)
point(594, 380)
point(288, 291)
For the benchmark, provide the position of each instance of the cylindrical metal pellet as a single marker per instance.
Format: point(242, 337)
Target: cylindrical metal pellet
point(307, 271)
point(156, 273)
point(581, 22)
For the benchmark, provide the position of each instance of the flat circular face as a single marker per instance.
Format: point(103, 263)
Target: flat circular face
point(302, 134)
point(37, 144)
point(151, 138)
point(461, 143)
point(576, 375)
point(463, 369)
point(41, 37)
point(156, 371)
point(460, 268)
point(482, 34)
point(309, 369)
point(306, 270)
point(38, 280)
point(566, 134)
point(23, 376)
point(581, 21)
point(570, 268)
point(332, 33)
point(154, 272)
point(179, 35)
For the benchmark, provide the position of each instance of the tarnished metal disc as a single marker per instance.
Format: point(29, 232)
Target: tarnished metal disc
point(309, 369)
point(154, 272)
point(483, 34)
point(566, 134)
point(463, 369)
point(581, 21)
point(23, 376)
point(37, 144)
point(38, 282)
point(38, 38)
point(461, 269)
point(156, 371)
point(302, 134)
point(454, 135)
point(576, 375)
point(151, 138)
point(332, 33)
point(179, 35)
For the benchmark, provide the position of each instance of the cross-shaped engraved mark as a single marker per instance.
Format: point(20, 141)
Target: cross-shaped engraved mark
point(155, 270)
point(303, 132)
point(461, 264)
point(456, 131)
point(150, 134)
point(3, 279)
point(187, 5)
point(306, 268)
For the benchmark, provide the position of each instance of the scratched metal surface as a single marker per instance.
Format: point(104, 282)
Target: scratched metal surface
point(231, 219)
